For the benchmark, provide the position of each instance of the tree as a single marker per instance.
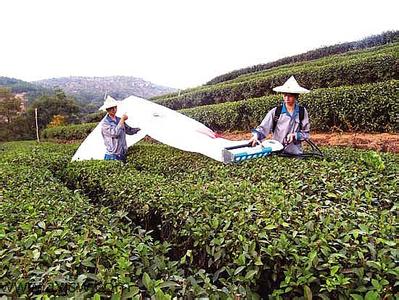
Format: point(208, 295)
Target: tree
point(10, 106)
point(16, 125)
point(57, 104)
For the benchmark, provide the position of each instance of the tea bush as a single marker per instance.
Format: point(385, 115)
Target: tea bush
point(355, 68)
point(263, 226)
point(176, 224)
point(54, 241)
point(364, 108)
point(69, 132)
point(372, 41)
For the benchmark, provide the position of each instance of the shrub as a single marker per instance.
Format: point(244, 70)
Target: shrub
point(256, 229)
point(350, 69)
point(69, 132)
point(366, 108)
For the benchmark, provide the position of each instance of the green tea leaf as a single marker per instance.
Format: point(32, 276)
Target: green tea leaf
point(238, 270)
point(307, 292)
point(36, 254)
point(168, 284)
point(250, 274)
point(147, 281)
point(334, 270)
point(372, 295)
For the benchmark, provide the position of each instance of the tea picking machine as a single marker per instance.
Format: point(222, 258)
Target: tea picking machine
point(244, 152)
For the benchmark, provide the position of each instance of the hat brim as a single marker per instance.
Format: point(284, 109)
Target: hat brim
point(288, 90)
point(105, 107)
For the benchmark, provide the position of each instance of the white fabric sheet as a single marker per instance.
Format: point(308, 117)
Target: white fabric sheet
point(162, 124)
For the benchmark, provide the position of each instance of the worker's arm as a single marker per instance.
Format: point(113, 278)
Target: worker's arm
point(110, 130)
point(264, 128)
point(129, 130)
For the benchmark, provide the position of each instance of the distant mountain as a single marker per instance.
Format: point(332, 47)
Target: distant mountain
point(18, 86)
point(92, 89)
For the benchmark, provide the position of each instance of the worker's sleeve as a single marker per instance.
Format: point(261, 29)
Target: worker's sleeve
point(263, 130)
point(131, 130)
point(304, 133)
point(110, 130)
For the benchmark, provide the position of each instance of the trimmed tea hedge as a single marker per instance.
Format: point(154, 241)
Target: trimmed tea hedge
point(69, 132)
point(334, 71)
point(372, 41)
point(366, 108)
point(54, 241)
point(216, 230)
point(328, 231)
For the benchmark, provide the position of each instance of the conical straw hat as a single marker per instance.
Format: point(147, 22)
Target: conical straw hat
point(108, 103)
point(291, 86)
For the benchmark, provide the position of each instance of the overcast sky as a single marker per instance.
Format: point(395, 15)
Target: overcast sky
point(174, 43)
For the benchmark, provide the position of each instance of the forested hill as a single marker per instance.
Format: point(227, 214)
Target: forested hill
point(18, 86)
point(92, 89)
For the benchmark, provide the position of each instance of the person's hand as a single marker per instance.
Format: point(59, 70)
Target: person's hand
point(291, 138)
point(253, 141)
point(123, 119)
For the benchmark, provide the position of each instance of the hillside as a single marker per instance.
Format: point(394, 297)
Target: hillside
point(351, 68)
point(368, 42)
point(18, 86)
point(92, 89)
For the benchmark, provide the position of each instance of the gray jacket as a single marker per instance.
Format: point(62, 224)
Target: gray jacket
point(114, 135)
point(286, 124)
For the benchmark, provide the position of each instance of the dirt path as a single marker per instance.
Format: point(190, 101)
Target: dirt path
point(386, 142)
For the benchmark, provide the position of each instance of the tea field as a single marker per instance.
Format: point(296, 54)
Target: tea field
point(173, 225)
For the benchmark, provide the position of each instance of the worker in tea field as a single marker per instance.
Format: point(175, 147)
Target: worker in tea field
point(114, 130)
point(288, 122)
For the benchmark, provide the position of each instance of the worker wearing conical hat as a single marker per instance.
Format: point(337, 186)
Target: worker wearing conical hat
point(289, 122)
point(114, 130)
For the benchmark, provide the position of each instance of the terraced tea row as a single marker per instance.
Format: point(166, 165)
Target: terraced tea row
point(362, 108)
point(355, 68)
point(255, 227)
